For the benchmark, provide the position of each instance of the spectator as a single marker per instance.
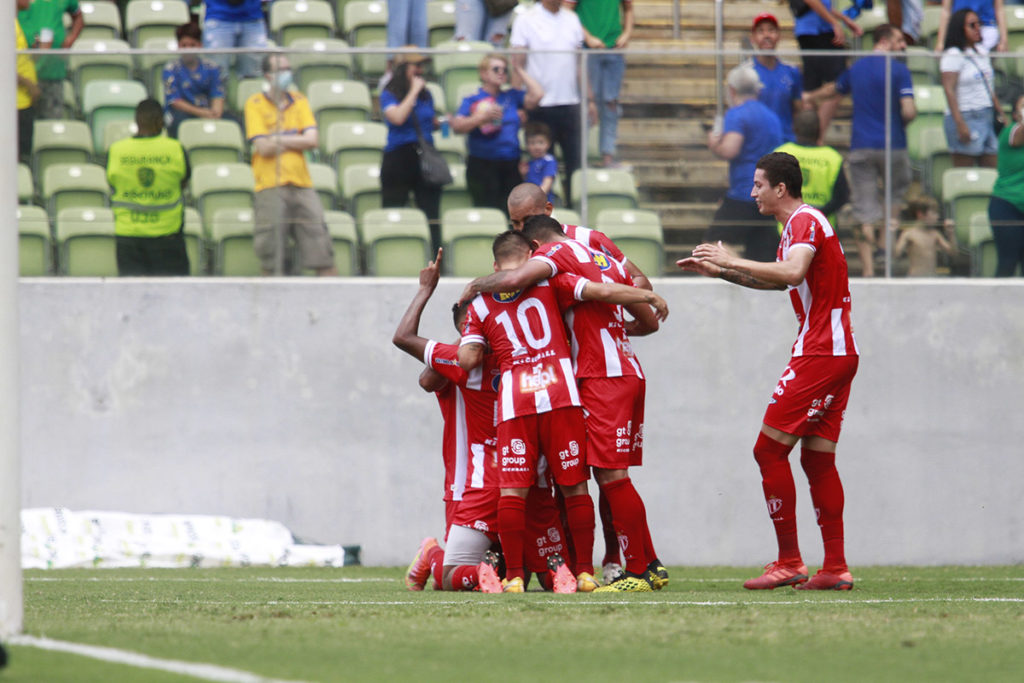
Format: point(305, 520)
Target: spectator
point(553, 36)
point(865, 81)
point(818, 27)
point(491, 118)
point(607, 24)
point(28, 87)
point(993, 23)
point(922, 239)
point(967, 79)
point(908, 15)
point(1006, 206)
point(474, 21)
point(281, 127)
point(404, 102)
point(236, 23)
point(781, 91)
point(542, 168)
point(148, 173)
point(43, 24)
point(407, 23)
point(750, 131)
point(825, 186)
point(193, 85)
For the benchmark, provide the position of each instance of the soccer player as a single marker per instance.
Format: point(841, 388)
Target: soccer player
point(809, 402)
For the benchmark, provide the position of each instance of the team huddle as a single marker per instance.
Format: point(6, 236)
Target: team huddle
point(544, 389)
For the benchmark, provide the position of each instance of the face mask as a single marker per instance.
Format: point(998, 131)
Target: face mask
point(284, 79)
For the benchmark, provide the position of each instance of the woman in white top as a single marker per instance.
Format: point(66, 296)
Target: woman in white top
point(967, 79)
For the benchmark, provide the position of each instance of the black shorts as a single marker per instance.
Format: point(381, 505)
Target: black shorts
point(163, 255)
point(739, 222)
point(819, 69)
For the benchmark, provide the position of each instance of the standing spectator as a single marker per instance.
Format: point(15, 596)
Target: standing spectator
point(474, 21)
point(1006, 206)
point(865, 81)
point(825, 186)
point(553, 36)
point(148, 173)
point(908, 15)
point(28, 87)
point(750, 131)
point(781, 91)
point(491, 117)
point(407, 23)
point(818, 27)
point(967, 79)
point(922, 238)
point(993, 23)
point(193, 85)
point(406, 102)
point(281, 127)
point(43, 24)
point(606, 24)
point(236, 23)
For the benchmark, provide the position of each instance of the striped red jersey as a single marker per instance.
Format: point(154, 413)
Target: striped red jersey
point(595, 239)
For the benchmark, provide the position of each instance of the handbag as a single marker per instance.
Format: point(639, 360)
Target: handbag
point(997, 123)
point(433, 168)
point(496, 8)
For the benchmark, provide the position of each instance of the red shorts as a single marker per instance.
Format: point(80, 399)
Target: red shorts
point(558, 435)
point(615, 421)
point(543, 529)
point(810, 399)
point(478, 510)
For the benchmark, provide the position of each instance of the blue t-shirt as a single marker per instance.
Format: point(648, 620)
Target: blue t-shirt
point(865, 81)
point(810, 24)
point(782, 85)
point(761, 133)
point(246, 10)
point(985, 9)
point(503, 145)
point(406, 133)
point(197, 87)
point(539, 169)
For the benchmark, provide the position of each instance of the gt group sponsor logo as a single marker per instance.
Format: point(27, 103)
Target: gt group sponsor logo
point(513, 457)
point(570, 457)
point(623, 437)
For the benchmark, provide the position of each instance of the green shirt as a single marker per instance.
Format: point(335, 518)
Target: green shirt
point(601, 18)
point(48, 14)
point(1010, 183)
point(146, 175)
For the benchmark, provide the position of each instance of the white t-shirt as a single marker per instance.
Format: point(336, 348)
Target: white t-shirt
point(971, 89)
point(538, 29)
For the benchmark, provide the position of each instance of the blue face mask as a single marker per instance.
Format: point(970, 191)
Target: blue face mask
point(284, 79)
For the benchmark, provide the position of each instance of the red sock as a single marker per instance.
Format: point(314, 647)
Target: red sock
point(648, 543)
point(628, 514)
point(780, 494)
point(570, 548)
point(579, 510)
point(464, 578)
point(827, 495)
point(511, 526)
point(611, 538)
point(435, 558)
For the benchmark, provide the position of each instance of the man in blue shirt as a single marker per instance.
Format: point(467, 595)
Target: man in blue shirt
point(865, 82)
point(193, 86)
point(782, 91)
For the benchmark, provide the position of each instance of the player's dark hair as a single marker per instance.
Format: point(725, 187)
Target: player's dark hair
point(780, 167)
point(459, 313)
point(189, 30)
point(541, 229)
point(956, 29)
point(509, 243)
point(883, 32)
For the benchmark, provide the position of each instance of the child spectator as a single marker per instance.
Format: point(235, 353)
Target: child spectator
point(922, 239)
point(542, 169)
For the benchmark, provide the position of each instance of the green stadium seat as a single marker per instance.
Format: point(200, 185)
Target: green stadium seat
point(34, 246)
point(325, 182)
point(923, 65)
point(151, 66)
point(244, 88)
point(104, 101)
point(99, 60)
point(935, 156)
point(458, 66)
point(116, 130)
point(59, 141)
point(638, 234)
point(211, 141)
point(372, 65)
point(365, 22)
point(452, 148)
point(345, 238)
point(456, 194)
point(566, 216)
point(440, 22)
point(869, 20)
point(346, 143)
point(292, 20)
point(145, 19)
point(195, 242)
point(397, 242)
point(437, 94)
point(26, 187)
point(983, 247)
point(966, 191)
point(231, 239)
point(607, 188)
point(74, 185)
point(1014, 28)
point(930, 25)
point(319, 59)
point(86, 243)
point(102, 21)
point(930, 101)
point(335, 101)
point(467, 235)
point(221, 186)
point(360, 188)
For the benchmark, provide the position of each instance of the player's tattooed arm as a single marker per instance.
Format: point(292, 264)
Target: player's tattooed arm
point(529, 273)
point(744, 278)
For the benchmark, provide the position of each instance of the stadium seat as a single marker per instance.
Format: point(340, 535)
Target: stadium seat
point(456, 195)
point(221, 186)
point(325, 182)
point(365, 22)
point(151, 66)
point(923, 65)
point(607, 188)
point(930, 25)
point(930, 101)
point(372, 65)
point(935, 156)
point(102, 21)
point(1014, 29)
point(440, 22)
point(360, 188)
point(59, 141)
point(99, 60)
point(114, 131)
point(211, 141)
point(292, 20)
point(334, 101)
point(244, 89)
point(85, 242)
point(467, 235)
point(74, 185)
point(983, 247)
point(638, 234)
point(231, 240)
point(869, 20)
point(437, 95)
point(966, 191)
point(145, 19)
point(319, 59)
point(34, 250)
point(26, 187)
point(345, 143)
point(104, 101)
point(195, 242)
point(345, 238)
point(452, 148)
point(566, 216)
point(397, 242)
point(460, 65)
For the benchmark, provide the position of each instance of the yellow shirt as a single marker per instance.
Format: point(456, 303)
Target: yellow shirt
point(264, 118)
point(26, 67)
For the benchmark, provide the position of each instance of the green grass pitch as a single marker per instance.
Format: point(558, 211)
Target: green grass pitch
point(360, 624)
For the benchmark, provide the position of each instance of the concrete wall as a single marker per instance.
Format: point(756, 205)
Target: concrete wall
point(285, 400)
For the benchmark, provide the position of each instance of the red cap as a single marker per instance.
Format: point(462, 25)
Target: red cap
point(765, 16)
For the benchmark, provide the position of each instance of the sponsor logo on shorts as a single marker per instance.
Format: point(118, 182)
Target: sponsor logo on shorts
point(787, 375)
point(518, 447)
point(545, 550)
point(623, 438)
point(481, 525)
point(570, 457)
point(554, 534)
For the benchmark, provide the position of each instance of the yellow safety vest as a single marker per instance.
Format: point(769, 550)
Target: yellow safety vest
point(820, 167)
point(146, 175)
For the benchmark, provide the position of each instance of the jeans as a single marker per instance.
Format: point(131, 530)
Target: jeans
point(407, 23)
point(1008, 231)
point(219, 34)
point(605, 73)
point(473, 22)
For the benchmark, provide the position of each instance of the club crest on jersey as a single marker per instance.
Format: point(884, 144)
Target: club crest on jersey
point(553, 250)
point(495, 379)
point(540, 379)
point(601, 260)
point(506, 297)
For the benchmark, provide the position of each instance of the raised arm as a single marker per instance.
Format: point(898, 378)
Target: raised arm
point(713, 260)
point(530, 273)
point(407, 335)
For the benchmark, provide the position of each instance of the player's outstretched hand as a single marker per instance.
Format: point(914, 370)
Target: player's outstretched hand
point(699, 266)
point(432, 273)
point(660, 307)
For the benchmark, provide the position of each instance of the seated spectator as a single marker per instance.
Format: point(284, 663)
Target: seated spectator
point(922, 239)
point(542, 168)
point(193, 86)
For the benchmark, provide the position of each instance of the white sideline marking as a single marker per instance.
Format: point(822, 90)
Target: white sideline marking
point(208, 672)
point(570, 602)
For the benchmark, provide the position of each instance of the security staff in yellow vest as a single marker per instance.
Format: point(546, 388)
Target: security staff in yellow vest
point(825, 186)
point(147, 173)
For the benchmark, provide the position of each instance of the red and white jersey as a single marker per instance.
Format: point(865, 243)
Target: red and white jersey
point(600, 345)
point(822, 301)
point(525, 332)
point(595, 239)
point(469, 408)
